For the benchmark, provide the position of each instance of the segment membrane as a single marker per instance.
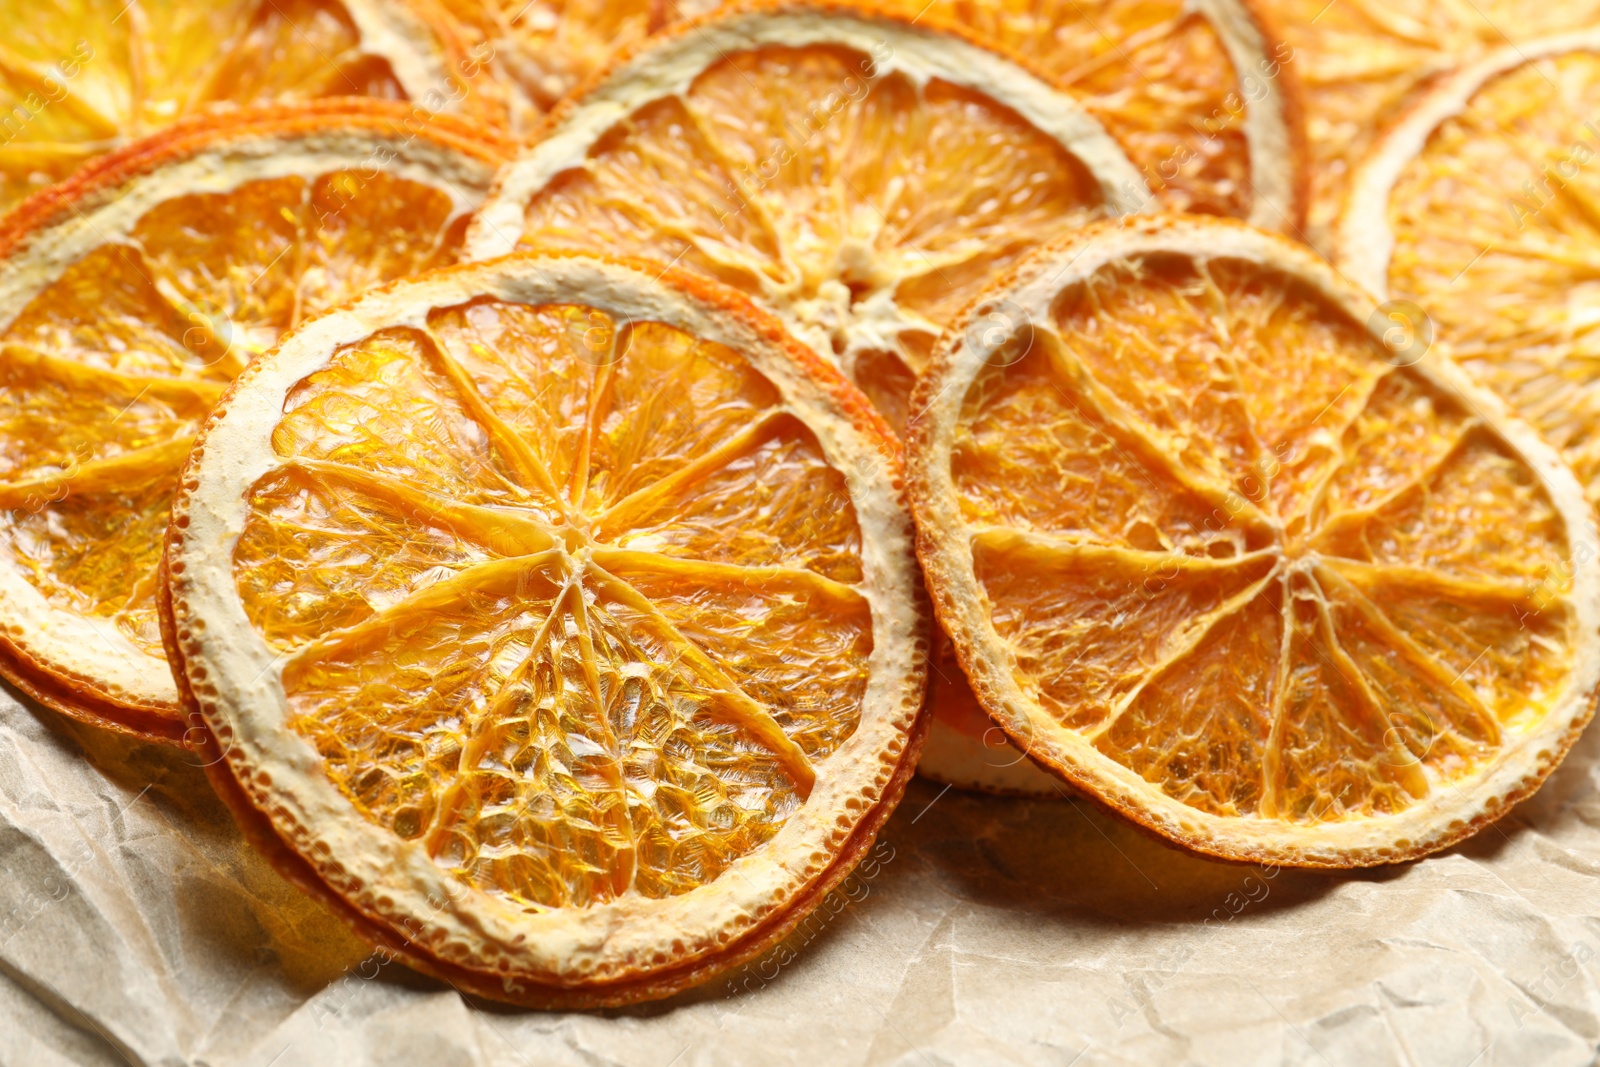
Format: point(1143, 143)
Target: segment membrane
point(1495, 228)
point(1200, 727)
point(794, 642)
point(779, 503)
point(618, 687)
point(111, 369)
point(1391, 604)
point(1074, 472)
point(1089, 627)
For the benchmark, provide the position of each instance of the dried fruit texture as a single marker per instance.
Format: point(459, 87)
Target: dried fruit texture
point(575, 606)
point(544, 49)
point(1190, 90)
point(1197, 92)
point(863, 183)
point(1364, 63)
point(1205, 549)
point(128, 306)
point(1487, 198)
point(80, 79)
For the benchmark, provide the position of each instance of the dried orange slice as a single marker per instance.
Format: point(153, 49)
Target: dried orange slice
point(858, 174)
point(1209, 551)
point(1201, 94)
point(1365, 62)
point(128, 299)
point(1197, 93)
point(543, 49)
point(79, 80)
point(559, 621)
point(1478, 216)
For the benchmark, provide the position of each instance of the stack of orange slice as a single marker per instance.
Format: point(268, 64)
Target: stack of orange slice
point(129, 297)
point(556, 618)
point(863, 174)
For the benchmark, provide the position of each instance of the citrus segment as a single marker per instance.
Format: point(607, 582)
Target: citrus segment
point(1478, 209)
point(559, 756)
point(865, 175)
point(1326, 632)
point(859, 175)
point(1201, 94)
point(129, 300)
point(1363, 63)
point(79, 80)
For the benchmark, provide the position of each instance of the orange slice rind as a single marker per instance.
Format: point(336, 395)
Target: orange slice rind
point(1364, 63)
point(1202, 95)
point(1475, 217)
point(129, 296)
point(1210, 553)
point(80, 80)
point(582, 670)
point(845, 169)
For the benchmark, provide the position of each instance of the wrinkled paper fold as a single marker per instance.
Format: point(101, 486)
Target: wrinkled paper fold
point(137, 927)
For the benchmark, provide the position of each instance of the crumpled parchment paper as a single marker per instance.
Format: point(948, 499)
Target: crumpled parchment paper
point(136, 927)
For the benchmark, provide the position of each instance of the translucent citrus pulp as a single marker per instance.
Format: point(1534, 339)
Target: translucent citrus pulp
point(1480, 209)
point(1363, 64)
point(80, 79)
point(859, 175)
point(559, 615)
point(128, 300)
point(1208, 551)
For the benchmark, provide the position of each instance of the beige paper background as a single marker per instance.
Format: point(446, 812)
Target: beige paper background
point(136, 927)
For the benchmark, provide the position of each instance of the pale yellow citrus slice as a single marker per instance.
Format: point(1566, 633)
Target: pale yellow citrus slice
point(1211, 552)
point(1480, 214)
point(128, 300)
point(81, 78)
point(558, 620)
point(859, 174)
point(1363, 64)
